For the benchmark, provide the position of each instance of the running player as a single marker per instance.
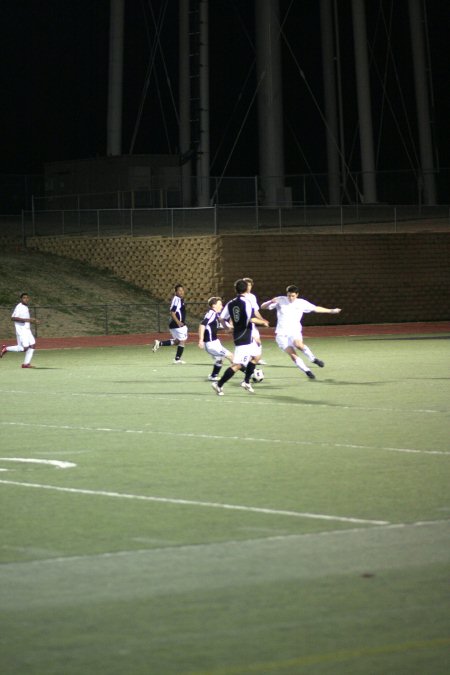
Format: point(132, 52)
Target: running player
point(208, 340)
point(240, 314)
point(288, 333)
point(25, 338)
point(177, 326)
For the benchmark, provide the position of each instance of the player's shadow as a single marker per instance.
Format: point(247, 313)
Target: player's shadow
point(341, 383)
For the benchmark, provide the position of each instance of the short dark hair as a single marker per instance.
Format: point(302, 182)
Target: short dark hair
point(240, 286)
point(212, 301)
point(292, 289)
point(248, 280)
point(177, 286)
point(22, 295)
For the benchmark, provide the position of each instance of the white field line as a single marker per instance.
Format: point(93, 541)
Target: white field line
point(228, 543)
point(216, 437)
point(192, 502)
point(52, 462)
point(242, 401)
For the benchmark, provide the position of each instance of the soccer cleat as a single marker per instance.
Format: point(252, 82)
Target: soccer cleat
point(319, 363)
point(178, 361)
point(310, 374)
point(156, 346)
point(248, 387)
point(27, 365)
point(3, 351)
point(217, 389)
point(213, 378)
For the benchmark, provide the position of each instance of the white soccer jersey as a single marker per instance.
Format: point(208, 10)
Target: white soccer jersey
point(251, 297)
point(253, 301)
point(289, 314)
point(25, 337)
point(21, 311)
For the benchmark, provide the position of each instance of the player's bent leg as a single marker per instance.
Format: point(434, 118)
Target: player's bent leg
point(249, 370)
point(15, 348)
point(299, 363)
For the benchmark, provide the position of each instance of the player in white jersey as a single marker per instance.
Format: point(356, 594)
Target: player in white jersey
point(288, 333)
point(25, 338)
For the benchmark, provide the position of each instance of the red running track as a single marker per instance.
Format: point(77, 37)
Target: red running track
point(308, 331)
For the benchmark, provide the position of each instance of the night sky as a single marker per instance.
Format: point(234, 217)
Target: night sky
point(54, 74)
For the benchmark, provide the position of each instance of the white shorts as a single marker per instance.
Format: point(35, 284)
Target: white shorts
point(25, 338)
point(284, 341)
point(244, 353)
point(258, 348)
point(216, 349)
point(180, 334)
point(255, 333)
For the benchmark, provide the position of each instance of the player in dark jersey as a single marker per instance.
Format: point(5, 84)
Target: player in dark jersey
point(177, 325)
point(208, 340)
point(240, 314)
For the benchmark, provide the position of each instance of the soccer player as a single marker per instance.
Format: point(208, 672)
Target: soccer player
point(177, 326)
point(25, 338)
point(240, 314)
point(288, 333)
point(208, 340)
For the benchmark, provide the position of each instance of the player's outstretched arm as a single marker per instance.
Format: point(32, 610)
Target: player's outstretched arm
point(259, 322)
point(326, 310)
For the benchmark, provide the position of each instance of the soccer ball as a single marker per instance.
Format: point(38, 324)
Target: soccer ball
point(258, 375)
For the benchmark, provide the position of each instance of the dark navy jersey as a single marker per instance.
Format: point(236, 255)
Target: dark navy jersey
point(211, 323)
point(177, 305)
point(239, 311)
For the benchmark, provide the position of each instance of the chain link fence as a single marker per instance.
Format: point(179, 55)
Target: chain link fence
point(228, 220)
point(237, 204)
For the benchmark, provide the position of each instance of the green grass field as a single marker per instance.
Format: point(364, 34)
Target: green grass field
point(302, 529)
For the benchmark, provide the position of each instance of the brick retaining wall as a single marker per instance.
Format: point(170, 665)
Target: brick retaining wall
point(375, 278)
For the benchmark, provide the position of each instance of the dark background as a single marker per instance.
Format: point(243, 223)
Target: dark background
point(54, 74)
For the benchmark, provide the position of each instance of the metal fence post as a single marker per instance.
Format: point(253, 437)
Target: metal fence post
point(35, 325)
point(24, 236)
point(256, 203)
point(33, 222)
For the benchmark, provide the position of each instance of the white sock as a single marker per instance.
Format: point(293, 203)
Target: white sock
point(299, 363)
point(15, 348)
point(306, 350)
point(28, 356)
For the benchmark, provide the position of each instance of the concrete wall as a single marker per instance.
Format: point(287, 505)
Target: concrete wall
point(375, 278)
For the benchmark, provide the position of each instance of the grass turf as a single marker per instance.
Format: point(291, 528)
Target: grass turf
point(300, 529)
